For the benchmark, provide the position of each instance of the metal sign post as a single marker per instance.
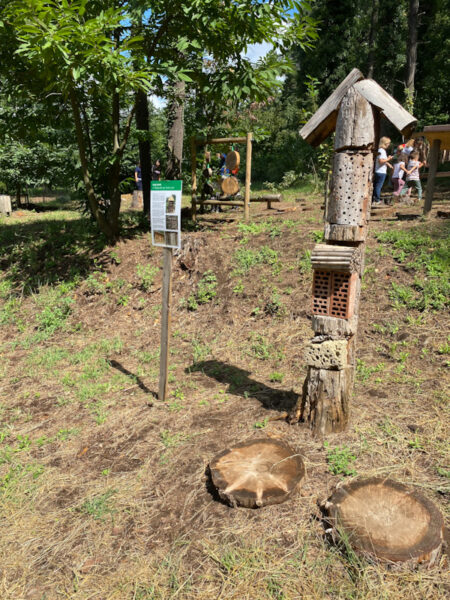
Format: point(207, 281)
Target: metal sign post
point(165, 217)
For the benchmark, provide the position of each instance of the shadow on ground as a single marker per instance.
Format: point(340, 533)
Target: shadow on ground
point(53, 250)
point(117, 365)
point(240, 383)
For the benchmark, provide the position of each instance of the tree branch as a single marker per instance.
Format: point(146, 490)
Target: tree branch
point(126, 133)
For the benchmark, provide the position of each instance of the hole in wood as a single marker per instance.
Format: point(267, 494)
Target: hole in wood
point(387, 520)
point(257, 473)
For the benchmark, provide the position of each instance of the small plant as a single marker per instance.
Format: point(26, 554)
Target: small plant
point(170, 440)
point(445, 347)
point(318, 236)
point(99, 506)
point(276, 377)
point(339, 460)
point(65, 434)
point(363, 371)
point(206, 291)
point(304, 264)
point(123, 300)
point(416, 444)
point(201, 350)
point(261, 349)
point(261, 424)
point(146, 275)
point(115, 259)
point(274, 306)
point(238, 288)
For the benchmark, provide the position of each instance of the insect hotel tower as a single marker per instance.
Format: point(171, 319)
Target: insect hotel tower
point(353, 111)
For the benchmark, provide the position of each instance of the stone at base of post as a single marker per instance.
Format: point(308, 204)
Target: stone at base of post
point(325, 400)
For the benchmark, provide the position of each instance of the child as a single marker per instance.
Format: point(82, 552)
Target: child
point(412, 175)
point(381, 165)
point(397, 176)
point(409, 147)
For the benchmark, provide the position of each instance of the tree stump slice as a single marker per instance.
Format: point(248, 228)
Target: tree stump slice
point(257, 473)
point(387, 521)
point(230, 186)
point(233, 160)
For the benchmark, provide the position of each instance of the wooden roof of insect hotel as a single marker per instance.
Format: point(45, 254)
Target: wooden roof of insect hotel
point(323, 121)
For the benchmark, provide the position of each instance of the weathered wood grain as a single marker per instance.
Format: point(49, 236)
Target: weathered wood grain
point(323, 121)
point(390, 108)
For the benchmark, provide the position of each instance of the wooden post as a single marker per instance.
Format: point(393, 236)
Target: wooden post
point(434, 159)
point(165, 322)
point(194, 178)
point(337, 272)
point(248, 176)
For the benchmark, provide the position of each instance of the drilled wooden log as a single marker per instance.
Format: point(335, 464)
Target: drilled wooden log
point(257, 473)
point(351, 187)
point(386, 521)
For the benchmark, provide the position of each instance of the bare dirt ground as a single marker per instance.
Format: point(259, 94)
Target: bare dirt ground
point(104, 491)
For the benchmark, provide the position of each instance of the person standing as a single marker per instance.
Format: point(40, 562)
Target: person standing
point(138, 177)
point(413, 176)
point(156, 171)
point(397, 176)
point(381, 164)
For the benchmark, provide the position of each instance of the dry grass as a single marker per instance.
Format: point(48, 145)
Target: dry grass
point(104, 493)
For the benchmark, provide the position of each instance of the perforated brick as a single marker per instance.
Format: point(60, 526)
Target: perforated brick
point(321, 292)
point(333, 294)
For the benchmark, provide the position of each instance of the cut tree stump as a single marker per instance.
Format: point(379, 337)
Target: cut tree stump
point(257, 473)
point(386, 521)
point(230, 186)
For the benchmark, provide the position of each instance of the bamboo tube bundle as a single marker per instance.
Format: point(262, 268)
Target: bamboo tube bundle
point(335, 258)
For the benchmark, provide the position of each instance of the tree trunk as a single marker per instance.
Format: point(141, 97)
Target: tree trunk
point(176, 131)
point(145, 157)
point(411, 50)
point(91, 195)
point(373, 29)
point(18, 194)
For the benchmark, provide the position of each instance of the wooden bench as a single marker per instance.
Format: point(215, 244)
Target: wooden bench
point(269, 198)
point(438, 174)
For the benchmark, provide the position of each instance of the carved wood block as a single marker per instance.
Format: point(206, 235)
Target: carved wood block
point(333, 326)
point(345, 233)
point(330, 354)
point(351, 188)
point(355, 126)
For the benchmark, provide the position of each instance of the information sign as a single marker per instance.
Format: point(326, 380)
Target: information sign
point(165, 213)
